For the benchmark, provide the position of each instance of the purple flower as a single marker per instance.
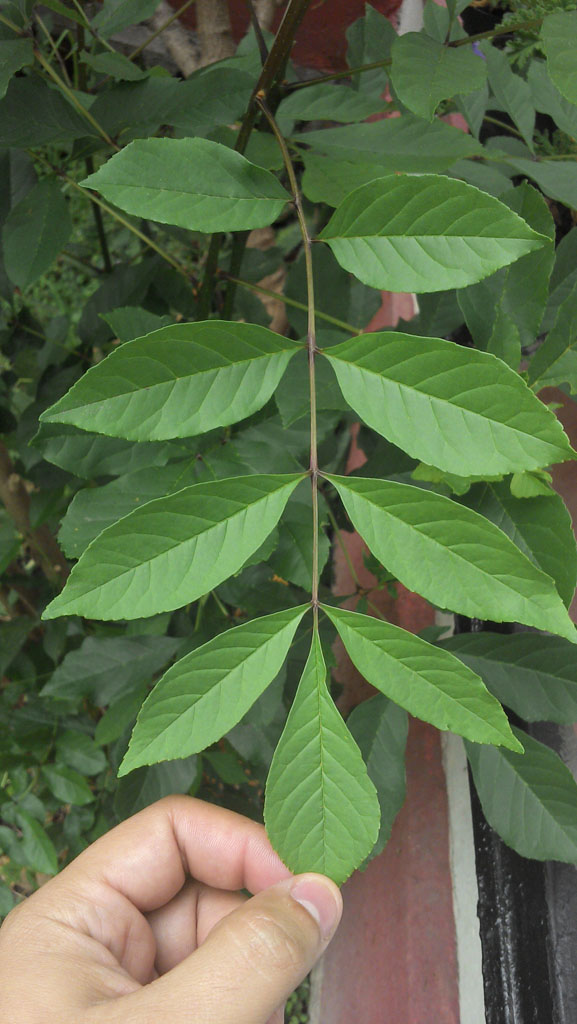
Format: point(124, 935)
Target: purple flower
point(477, 49)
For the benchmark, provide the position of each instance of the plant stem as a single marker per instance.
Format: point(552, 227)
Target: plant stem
point(117, 216)
point(90, 28)
point(274, 65)
point(492, 33)
point(53, 48)
point(342, 324)
point(501, 30)
point(89, 164)
point(311, 346)
point(502, 124)
point(73, 100)
point(136, 53)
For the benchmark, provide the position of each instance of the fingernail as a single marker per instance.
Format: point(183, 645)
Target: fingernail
point(321, 901)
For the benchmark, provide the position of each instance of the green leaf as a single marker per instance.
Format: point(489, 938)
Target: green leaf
point(324, 102)
point(370, 39)
point(556, 178)
point(210, 97)
point(130, 322)
point(535, 676)
point(114, 64)
point(93, 455)
point(321, 809)
point(473, 107)
point(555, 362)
point(193, 183)
point(559, 38)
point(36, 229)
point(419, 394)
point(179, 381)
point(293, 558)
point(530, 799)
point(115, 15)
point(67, 785)
point(424, 72)
point(395, 144)
point(425, 234)
point(105, 667)
point(32, 114)
point(37, 848)
point(511, 91)
point(409, 671)
point(380, 729)
point(451, 555)
point(563, 278)
point(7, 900)
point(79, 751)
point(548, 99)
point(511, 302)
point(326, 180)
point(208, 691)
point(93, 509)
point(14, 54)
point(120, 716)
point(12, 638)
point(67, 12)
point(174, 549)
point(540, 527)
point(147, 785)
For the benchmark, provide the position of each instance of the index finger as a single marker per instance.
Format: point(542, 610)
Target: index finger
point(148, 857)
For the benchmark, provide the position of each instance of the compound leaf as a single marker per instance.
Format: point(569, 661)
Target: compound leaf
point(425, 233)
point(451, 555)
point(461, 410)
point(175, 549)
point(208, 691)
point(409, 671)
point(321, 809)
point(179, 381)
point(192, 183)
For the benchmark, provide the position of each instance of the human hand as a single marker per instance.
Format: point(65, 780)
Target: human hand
point(147, 925)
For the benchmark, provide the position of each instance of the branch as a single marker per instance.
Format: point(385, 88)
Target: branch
point(16, 500)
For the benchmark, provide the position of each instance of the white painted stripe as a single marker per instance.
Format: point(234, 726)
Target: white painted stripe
point(464, 877)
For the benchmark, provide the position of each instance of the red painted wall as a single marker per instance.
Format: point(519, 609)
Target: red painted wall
point(321, 41)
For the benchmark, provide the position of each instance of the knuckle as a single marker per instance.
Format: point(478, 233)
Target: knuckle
point(271, 942)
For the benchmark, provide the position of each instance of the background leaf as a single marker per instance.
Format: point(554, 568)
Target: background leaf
point(321, 809)
point(425, 71)
point(541, 528)
point(559, 38)
point(380, 729)
point(147, 785)
point(14, 55)
point(36, 229)
point(105, 667)
point(530, 799)
point(425, 234)
point(535, 676)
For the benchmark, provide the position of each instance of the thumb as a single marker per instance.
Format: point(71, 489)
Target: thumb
point(253, 959)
